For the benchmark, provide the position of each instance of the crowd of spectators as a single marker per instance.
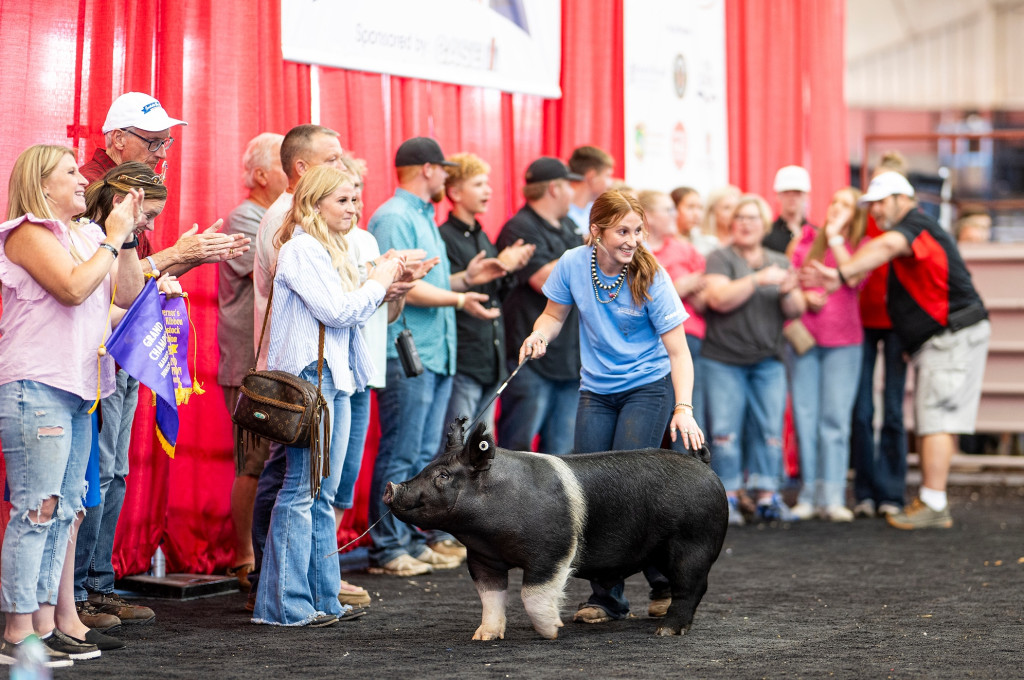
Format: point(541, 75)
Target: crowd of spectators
point(629, 319)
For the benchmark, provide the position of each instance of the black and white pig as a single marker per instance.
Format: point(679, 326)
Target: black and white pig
point(600, 516)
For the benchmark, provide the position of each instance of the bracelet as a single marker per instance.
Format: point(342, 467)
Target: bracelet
point(842, 279)
point(836, 240)
point(152, 265)
point(460, 301)
point(134, 243)
point(110, 249)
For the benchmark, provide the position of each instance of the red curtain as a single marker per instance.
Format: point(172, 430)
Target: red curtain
point(219, 66)
point(785, 94)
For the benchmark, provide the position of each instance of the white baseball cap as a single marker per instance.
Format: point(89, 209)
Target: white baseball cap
point(885, 185)
point(138, 110)
point(792, 178)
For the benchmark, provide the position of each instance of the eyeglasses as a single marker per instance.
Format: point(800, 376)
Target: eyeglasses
point(153, 144)
point(747, 218)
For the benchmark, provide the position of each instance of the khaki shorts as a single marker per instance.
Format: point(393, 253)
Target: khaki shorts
point(249, 460)
point(948, 373)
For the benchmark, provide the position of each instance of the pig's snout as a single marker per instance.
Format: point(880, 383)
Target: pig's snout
point(389, 494)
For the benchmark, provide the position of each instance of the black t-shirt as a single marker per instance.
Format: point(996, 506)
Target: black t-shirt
point(523, 305)
point(779, 237)
point(481, 350)
point(925, 288)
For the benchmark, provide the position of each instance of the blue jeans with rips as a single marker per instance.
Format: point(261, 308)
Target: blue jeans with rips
point(881, 471)
point(632, 419)
point(94, 551)
point(360, 410)
point(300, 574)
point(824, 385)
point(736, 393)
point(46, 435)
point(411, 414)
point(531, 405)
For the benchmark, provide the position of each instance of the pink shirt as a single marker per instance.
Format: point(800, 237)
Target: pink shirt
point(44, 340)
point(838, 322)
point(679, 259)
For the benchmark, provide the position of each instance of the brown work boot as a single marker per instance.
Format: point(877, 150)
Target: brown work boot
point(91, 617)
point(111, 603)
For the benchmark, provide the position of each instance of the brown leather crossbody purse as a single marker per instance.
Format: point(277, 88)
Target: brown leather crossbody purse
point(286, 409)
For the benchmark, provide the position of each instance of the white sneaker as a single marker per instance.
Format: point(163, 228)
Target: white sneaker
point(803, 510)
point(866, 508)
point(887, 509)
point(838, 513)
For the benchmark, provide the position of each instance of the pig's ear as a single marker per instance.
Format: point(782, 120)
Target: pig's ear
point(456, 432)
point(479, 449)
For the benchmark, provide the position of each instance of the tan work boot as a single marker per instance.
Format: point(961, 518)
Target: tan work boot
point(91, 617)
point(112, 603)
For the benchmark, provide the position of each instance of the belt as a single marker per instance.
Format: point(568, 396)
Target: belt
point(968, 316)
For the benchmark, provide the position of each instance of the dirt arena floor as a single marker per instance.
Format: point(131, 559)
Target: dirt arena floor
point(808, 600)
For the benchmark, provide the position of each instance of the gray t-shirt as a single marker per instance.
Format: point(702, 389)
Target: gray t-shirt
point(235, 299)
point(753, 331)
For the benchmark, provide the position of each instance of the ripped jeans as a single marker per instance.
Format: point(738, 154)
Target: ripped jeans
point(738, 398)
point(46, 434)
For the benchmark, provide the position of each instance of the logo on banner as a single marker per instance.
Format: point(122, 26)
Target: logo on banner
point(640, 141)
point(680, 145)
point(679, 75)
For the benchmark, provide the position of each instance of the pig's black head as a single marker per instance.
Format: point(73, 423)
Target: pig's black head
point(443, 494)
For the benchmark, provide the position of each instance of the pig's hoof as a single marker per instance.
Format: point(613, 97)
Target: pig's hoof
point(488, 634)
point(559, 623)
point(549, 633)
point(665, 631)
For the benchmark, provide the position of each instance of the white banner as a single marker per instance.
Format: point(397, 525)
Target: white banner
point(675, 114)
point(511, 45)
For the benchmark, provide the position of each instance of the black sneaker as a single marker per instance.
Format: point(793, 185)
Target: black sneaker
point(104, 642)
point(54, 659)
point(76, 649)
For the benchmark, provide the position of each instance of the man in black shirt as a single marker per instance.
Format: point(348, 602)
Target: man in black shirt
point(543, 397)
point(480, 363)
point(792, 184)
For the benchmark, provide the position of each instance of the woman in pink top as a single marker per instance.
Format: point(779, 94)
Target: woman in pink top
point(824, 379)
point(685, 267)
point(57, 278)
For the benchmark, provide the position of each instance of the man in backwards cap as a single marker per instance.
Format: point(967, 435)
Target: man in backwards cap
point(941, 322)
point(412, 408)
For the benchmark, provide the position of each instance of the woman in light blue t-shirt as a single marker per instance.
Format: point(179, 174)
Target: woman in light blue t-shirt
point(637, 373)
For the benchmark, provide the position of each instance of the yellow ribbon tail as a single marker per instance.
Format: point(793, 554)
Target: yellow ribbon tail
point(164, 444)
point(99, 378)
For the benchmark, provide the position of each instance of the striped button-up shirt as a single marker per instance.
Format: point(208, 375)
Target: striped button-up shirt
point(307, 290)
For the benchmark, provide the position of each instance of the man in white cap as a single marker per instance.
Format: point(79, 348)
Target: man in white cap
point(136, 129)
point(941, 322)
point(792, 184)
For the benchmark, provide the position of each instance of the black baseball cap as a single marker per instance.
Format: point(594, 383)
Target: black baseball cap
point(420, 150)
point(545, 169)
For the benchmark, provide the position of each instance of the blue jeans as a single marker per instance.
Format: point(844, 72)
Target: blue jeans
point(881, 471)
point(699, 400)
point(46, 435)
point(300, 578)
point(94, 551)
point(633, 419)
point(267, 487)
point(467, 397)
point(411, 420)
point(824, 386)
point(734, 393)
point(532, 404)
point(360, 408)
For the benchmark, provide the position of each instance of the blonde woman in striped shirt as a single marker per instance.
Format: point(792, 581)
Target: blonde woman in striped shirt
point(315, 283)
